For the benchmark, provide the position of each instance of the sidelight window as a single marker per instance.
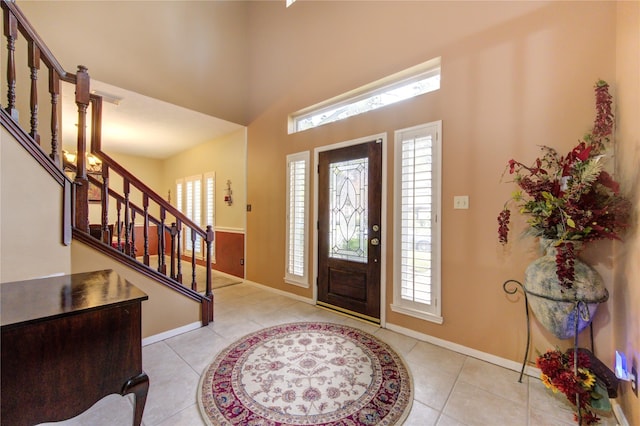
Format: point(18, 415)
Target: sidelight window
point(417, 233)
point(297, 235)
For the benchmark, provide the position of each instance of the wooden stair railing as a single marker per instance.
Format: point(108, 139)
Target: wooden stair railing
point(154, 211)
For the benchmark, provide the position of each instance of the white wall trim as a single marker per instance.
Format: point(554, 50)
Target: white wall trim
point(464, 350)
point(618, 413)
point(229, 230)
point(171, 333)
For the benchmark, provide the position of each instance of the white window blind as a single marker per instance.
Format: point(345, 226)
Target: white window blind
point(297, 219)
point(417, 236)
point(193, 210)
point(179, 195)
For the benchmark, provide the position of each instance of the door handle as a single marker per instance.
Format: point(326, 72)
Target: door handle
point(375, 242)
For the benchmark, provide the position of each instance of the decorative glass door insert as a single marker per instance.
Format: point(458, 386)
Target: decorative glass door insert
point(348, 211)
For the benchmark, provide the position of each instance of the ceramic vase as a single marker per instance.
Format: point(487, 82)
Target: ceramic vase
point(555, 306)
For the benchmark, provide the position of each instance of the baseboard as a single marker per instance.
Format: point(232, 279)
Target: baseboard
point(171, 333)
point(617, 411)
point(464, 350)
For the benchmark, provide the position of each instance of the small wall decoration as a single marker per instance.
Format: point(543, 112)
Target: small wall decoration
point(95, 193)
point(227, 194)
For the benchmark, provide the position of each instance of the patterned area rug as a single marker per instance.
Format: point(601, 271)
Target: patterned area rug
point(306, 374)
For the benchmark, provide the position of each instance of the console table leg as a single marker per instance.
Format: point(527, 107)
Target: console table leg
point(139, 386)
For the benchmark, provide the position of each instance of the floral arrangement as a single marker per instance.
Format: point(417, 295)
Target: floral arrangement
point(573, 378)
point(570, 198)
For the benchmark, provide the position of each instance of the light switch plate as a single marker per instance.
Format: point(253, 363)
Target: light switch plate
point(461, 202)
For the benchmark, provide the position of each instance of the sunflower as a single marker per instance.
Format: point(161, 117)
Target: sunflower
point(587, 378)
point(547, 382)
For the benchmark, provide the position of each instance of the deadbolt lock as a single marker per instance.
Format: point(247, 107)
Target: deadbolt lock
point(375, 228)
point(375, 242)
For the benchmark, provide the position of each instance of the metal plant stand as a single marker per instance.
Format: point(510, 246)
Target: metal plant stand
point(582, 311)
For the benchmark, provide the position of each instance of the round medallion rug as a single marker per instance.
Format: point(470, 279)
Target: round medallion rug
point(306, 374)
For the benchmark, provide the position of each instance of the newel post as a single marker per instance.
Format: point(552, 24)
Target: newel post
point(82, 183)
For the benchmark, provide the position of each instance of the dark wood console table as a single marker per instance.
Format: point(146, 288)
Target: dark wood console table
point(67, 342)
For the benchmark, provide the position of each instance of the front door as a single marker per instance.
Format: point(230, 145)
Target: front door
point(349, 194)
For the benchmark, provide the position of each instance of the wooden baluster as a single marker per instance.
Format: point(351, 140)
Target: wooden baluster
point(104, 201)
point(54, 89)
point(174, 232)
point(162, 267)
point(34, 65)
point(132, 246)
point(67, 213)
point(11, 32)
point(179, 251)
point(118, 223)
point(194, 284)
point(126, 188)
point(82, 187)
point(145, 204)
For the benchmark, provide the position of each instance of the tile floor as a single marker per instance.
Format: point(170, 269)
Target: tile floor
point(450, 389)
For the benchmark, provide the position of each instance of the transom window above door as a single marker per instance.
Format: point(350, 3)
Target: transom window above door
point(414, 81)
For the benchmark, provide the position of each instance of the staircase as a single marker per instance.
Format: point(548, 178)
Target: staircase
point(135, 223)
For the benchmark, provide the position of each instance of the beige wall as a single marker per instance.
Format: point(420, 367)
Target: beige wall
point(192, 54)
point(514, 75)
point(164, 311)
point(226, 156)
point(30, 217)
point(626, 299)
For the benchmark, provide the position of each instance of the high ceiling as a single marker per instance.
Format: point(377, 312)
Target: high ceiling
point(142, 126)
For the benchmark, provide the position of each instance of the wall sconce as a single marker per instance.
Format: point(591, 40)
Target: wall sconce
point(227, 194)
point(93, 163)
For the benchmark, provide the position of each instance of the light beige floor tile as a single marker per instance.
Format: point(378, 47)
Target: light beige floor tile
point(301, 310)
point(495, 379)
point(233, 329)
point(445, 420)
point(278, 317)
point(432, 387)
point(362, 325)
point(421, 415)
point(542, 417)
point(199, 347)
point(324, 315)
point(476, 407)
point(428, 356)
point(555, 405)
point(173, 383)
point(190, 416)
point(401, 343)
